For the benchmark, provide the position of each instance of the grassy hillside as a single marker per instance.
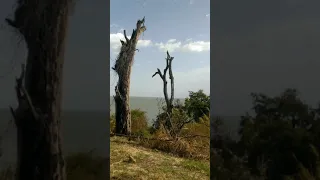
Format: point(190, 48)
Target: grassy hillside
point(131, 161)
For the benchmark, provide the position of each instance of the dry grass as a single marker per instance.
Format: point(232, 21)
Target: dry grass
point(193, 142)
point(128, 160)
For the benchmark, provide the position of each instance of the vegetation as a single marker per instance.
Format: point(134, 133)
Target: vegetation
point(80, 166)
point(190, 147)
point(279, 141)
point(139, 122)
point(197, 104)
point(181, 130)
point(129, 160)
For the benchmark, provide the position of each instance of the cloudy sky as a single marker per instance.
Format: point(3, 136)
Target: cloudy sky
point(180, 26)
point(263, 46)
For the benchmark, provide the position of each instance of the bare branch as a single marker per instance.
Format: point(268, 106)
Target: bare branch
point(158, 72)
point(169, 102)
point(125, 36)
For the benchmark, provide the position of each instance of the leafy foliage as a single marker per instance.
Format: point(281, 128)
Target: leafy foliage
point(139, 122)
point(280, 140)
point(197, 104)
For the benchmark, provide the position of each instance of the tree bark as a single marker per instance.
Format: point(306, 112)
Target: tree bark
point(122, 67)
point(43, 25)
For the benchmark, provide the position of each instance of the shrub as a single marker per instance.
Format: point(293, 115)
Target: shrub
point(197, 104)
point(139, 122)
point(192, 142)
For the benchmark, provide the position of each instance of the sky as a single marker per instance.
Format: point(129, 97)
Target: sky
point(86, 74)
point(263, 46)
point(181, 27)
point(257, 46)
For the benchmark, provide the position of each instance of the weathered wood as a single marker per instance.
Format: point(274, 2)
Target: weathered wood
point(168, 100)
point(123, 67)
point(43, 25)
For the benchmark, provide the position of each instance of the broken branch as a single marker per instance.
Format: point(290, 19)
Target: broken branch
point(158, 72)
point(125, 36)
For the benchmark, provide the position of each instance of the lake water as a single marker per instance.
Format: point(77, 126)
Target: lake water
point(83, 131)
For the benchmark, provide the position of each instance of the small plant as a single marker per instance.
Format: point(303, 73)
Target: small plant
point(139, 120)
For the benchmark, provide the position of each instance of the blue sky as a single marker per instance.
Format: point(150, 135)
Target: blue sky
point(180, 26)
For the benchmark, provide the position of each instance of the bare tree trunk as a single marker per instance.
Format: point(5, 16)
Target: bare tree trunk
point(122, 67)
point(43, 26)
point(169, 101)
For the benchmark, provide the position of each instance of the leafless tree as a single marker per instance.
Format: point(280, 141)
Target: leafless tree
point(43, 26)
point(122, 67)
point(168, 100)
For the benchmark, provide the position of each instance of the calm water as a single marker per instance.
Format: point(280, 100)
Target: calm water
point(148, 104)
point(83, 131)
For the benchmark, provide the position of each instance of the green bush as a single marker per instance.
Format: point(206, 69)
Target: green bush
point(139, 123)
point(197, 104)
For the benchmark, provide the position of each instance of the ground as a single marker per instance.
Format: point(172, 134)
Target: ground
point(131, 161)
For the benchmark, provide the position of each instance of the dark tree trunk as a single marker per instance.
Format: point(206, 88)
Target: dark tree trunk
point(122, 67)
point(43, 25)
point(169, 100)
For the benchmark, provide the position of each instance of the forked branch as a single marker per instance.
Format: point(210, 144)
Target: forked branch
point(169, 101)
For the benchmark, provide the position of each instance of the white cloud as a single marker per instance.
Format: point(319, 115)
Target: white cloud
point(144, 43)
point(197, 46)
point(115, 44)
point(173, 45)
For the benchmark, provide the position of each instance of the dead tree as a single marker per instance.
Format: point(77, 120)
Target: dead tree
point(122, 67)
point(43, 26)
point(169, 100)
